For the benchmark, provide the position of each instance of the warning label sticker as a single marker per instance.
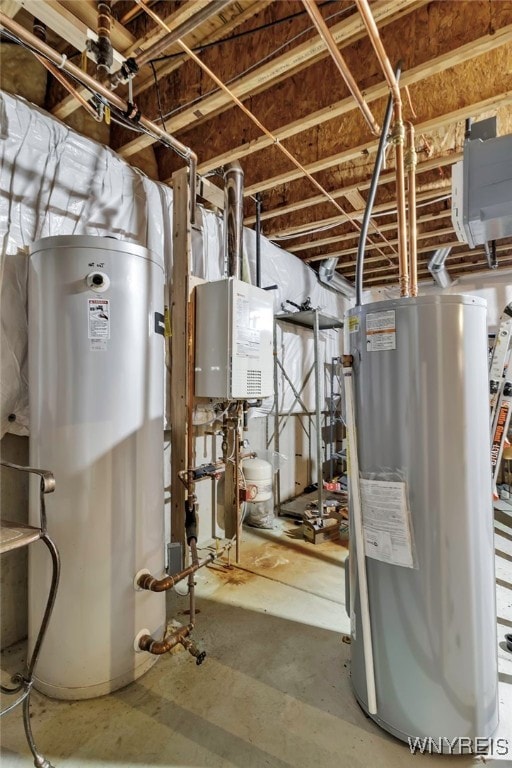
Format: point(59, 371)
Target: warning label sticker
point(98, 320)
point(353, 324)
point(247, 338)
point(381, 331)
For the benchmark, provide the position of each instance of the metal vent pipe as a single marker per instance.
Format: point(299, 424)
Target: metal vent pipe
point(233, 217)
point(437, 267)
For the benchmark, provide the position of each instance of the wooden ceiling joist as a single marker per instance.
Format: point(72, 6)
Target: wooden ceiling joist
point(335, 240)
point(372, 247)
point(70, 26)
point(385, 178)
point(478, 262)
point(347, 267)
point(221, 25)
point(345, 32)
point(436, 65)
point(68, 105)
point(451, 76)
point(440, 121)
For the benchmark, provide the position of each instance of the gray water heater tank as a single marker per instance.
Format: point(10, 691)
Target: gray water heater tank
point(422, 417)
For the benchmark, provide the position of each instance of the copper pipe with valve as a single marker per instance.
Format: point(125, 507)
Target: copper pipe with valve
point(398, 137)
point(151, 583)
point(40, 47)
point(102, 48)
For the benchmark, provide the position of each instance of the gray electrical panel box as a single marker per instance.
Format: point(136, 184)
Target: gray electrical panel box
point(234, 341)
point(482, 187)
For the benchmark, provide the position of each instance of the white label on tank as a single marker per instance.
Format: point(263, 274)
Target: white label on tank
point(386, 522)
point(98, 319)
point(380, 331)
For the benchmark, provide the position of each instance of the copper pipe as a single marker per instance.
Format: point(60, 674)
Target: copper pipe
point(39, 30)
point(57, 74)
point(103, 46)
point(238, 508)
point(280, 146)
point(210, 9)
point(95, 87)
point(192, 583)
point(159, 647)
point(411, 160)
point(324, 32)
point(373, 32)
point(193, 552)
point(398, 138)
point(151, 583)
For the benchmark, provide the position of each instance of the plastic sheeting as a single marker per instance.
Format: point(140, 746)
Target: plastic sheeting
point(53, 181)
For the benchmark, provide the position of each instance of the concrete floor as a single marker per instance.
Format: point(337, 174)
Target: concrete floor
point(274, 690)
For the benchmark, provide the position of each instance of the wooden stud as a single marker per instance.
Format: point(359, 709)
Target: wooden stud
point(180, 330)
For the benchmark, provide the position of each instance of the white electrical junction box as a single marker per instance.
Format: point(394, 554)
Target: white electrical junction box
point(234, 341)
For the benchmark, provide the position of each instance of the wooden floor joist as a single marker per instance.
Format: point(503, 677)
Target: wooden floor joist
point(471, 267)
point(332, 220)
point(217, 27)
point(132, 46)
point(440, 121)
point(336, 239)
point(385, 178)
point(436, 65)
point(283, 87)
point(70, 26)
point(345, 32)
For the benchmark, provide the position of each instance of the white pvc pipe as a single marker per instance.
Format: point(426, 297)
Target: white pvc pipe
point(357, 516)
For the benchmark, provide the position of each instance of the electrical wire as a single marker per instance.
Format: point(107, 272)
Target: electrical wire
point(263, 129)
point(238, 35)
point(159, 101)
point(255, 65)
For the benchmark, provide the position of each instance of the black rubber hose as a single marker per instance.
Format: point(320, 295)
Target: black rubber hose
point(373, 191)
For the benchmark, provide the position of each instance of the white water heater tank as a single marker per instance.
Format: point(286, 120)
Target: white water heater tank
point(96, 383)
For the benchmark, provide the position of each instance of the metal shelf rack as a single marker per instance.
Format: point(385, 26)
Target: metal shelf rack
point(315, 320)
